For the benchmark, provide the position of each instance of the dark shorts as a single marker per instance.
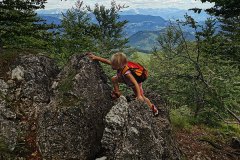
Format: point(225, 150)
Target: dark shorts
point(130, 85)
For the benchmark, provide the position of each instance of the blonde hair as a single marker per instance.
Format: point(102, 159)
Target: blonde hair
point(119, 59)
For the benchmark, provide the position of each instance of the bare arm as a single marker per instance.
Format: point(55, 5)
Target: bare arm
point(97, 58)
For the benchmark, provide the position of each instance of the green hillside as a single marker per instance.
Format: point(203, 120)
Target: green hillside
point(145, 41)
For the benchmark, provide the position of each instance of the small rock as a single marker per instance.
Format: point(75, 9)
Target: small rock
point(102, 158)
point(17, 73)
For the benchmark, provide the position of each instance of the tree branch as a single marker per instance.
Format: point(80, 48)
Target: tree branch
point(234, 115)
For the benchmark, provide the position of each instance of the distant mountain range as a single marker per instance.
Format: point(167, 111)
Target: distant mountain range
point(135, 22)
point(51, 11)
point(145, 41)
point(143, 27)
point(138, 23)
point(52, 18)
point(165, 13)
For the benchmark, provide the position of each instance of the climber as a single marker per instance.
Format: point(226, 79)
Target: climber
point(119, 62)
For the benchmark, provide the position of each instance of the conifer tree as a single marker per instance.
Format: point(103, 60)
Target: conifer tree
point(98, 29)
point(76, 31)
point(19, 24)
point(228, 13)
point(109, 27)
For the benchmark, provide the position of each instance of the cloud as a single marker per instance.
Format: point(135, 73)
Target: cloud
point(181, 4)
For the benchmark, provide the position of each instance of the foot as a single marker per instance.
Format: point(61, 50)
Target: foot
point(154, 110)
point(115, 95)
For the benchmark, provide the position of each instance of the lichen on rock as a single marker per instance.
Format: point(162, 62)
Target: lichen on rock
point(69, 114)
point(71, 126)
point(132, 132)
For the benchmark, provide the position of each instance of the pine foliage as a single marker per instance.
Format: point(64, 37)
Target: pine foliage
point(20, 25)
point(228, 14)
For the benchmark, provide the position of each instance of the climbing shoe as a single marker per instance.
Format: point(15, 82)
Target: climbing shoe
point(155, 110)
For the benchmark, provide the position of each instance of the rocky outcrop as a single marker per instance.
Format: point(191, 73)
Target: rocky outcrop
point(68, 114)
point(71, 127)
point(25, 89)
point(8, 127)
point(133, 133)
point(30, 80)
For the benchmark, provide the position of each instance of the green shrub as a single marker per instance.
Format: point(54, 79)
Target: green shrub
point(181, 118)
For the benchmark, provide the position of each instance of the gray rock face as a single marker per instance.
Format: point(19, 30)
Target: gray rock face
point(8, 128)
point(30, 83)
point(25, 90)
point(71, 127)
point(8, 131)
point(60, 115)
point(133, 133)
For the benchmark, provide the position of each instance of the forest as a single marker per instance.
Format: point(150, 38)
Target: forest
point(199, 80)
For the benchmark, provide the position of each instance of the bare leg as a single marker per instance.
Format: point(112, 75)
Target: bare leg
point(115, 84)
point(146, 100)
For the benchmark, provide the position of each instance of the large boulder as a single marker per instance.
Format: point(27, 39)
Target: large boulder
point(8, 127)
point(46, 113)
point(25, 88)
point(71, 127)
point(132, 132)
point(30, 80)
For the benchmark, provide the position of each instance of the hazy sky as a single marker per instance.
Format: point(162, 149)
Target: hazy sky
point(181, 4)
